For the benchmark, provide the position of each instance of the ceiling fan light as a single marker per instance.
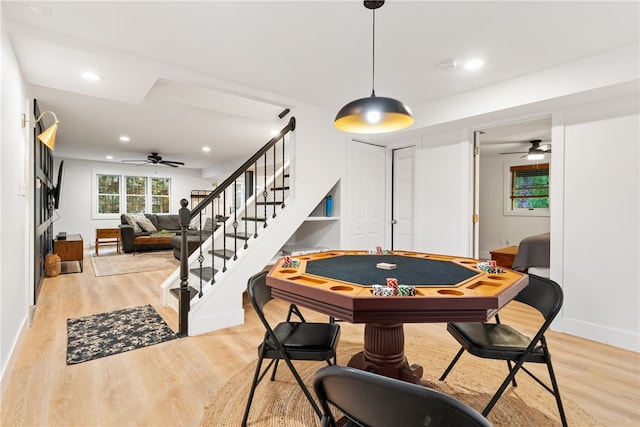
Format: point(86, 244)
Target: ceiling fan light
point(535, 156)
point(374, 114)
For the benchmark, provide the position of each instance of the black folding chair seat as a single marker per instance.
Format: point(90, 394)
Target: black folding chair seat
point(502, 342)
point(369, 399)
point(288, 341)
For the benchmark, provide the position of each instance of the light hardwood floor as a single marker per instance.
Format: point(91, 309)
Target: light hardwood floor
point(171, 383)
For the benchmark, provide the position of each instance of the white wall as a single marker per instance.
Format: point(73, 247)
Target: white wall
point(498, 230)
point(15, 217)
point(443, 194)
point(75, 213)
point(597, 262)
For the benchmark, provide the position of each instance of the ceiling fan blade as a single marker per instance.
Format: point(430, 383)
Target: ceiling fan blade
point(171, 162)
point(515, 152)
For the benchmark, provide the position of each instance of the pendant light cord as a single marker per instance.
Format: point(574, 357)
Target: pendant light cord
point(373, 56)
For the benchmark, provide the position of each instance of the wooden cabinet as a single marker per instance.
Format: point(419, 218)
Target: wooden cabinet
point(70, 249)
point(504, 257)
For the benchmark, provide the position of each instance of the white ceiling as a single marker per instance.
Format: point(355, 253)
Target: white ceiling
point(172, 70)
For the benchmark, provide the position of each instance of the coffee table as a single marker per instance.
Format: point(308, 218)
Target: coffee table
point(152, 240)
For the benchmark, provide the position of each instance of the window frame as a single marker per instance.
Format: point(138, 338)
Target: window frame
point(508, 210)
point(148, 195)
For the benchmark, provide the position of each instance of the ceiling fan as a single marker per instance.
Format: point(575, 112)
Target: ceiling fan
point(536, 151)
point(155, 159)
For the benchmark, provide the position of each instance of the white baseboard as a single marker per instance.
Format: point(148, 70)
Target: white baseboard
point(8, 369)
point(624, 339)
point(216, 322)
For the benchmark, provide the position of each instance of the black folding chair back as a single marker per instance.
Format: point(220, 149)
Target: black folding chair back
point(369, 399)
point(502, 342)
point(288, 341)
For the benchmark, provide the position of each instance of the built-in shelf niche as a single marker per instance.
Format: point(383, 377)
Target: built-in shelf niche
point(319, 231)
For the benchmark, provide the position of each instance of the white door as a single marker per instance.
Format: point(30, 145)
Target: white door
point(402, 223)
point(476, 195)
point(366, 194)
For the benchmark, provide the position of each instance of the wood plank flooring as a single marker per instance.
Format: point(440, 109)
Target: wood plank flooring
point(170, 384)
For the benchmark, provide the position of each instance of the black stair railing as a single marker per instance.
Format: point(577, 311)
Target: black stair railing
point(227, 219)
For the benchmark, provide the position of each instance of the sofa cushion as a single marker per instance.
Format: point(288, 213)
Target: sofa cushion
point(147, 225)
point(154, 220)
point(169, 222)
point(132, 220)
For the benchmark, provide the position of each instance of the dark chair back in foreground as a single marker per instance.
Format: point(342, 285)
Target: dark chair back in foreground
point(288, 340)
point(502, 342)
point(374, 400)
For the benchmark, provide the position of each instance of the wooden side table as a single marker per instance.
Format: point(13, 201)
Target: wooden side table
point(70, 249)
point(504, 257)
point(107, 237)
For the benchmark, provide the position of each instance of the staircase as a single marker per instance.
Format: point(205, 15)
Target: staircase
point(206, 290)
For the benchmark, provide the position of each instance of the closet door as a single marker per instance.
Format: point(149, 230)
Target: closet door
point(367, 182)
point(402, 223)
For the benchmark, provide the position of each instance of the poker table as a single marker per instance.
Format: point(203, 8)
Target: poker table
point(340, 283)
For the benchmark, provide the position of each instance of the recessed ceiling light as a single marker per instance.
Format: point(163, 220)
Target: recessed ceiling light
point(90, 75)
point(206, 149)
point(108, 157)
point(474, 64)
point(125, 138)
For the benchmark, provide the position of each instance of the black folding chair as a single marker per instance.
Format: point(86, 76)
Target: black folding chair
point(502, 342)
point(369, 399)
point(288, 340)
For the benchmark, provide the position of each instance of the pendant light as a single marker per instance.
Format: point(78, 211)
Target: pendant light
point(374, 114)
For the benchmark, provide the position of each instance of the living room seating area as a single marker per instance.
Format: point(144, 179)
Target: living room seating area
point(133, 226)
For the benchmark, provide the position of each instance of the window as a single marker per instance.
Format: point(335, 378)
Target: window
point(527, 189)
point(108, 194)
point(136, 194)
point(116, 194)
point(160, 195)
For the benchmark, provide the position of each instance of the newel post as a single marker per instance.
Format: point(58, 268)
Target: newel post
point(184, 302)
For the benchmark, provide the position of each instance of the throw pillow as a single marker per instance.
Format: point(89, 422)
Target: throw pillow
point(147, 225)
point(132, 220)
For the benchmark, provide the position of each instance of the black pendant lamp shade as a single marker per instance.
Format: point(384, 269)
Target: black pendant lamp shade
point(373, 114)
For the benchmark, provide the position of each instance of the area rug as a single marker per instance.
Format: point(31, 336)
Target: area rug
point(473, 381)
point(105, 334)
point(113, 264)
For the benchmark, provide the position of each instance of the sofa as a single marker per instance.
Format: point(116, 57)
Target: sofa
point(131, 226)
point(135, 225)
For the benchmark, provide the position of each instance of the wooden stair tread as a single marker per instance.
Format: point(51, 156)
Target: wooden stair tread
point(274, 203)
point(193, 292)
point(223, 253)
point(253, 219)
point(240, 235)
point(207, 272)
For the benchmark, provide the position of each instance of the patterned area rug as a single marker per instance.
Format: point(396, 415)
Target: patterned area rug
point(113, 264)
point(105, 334)
point(472, 380)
